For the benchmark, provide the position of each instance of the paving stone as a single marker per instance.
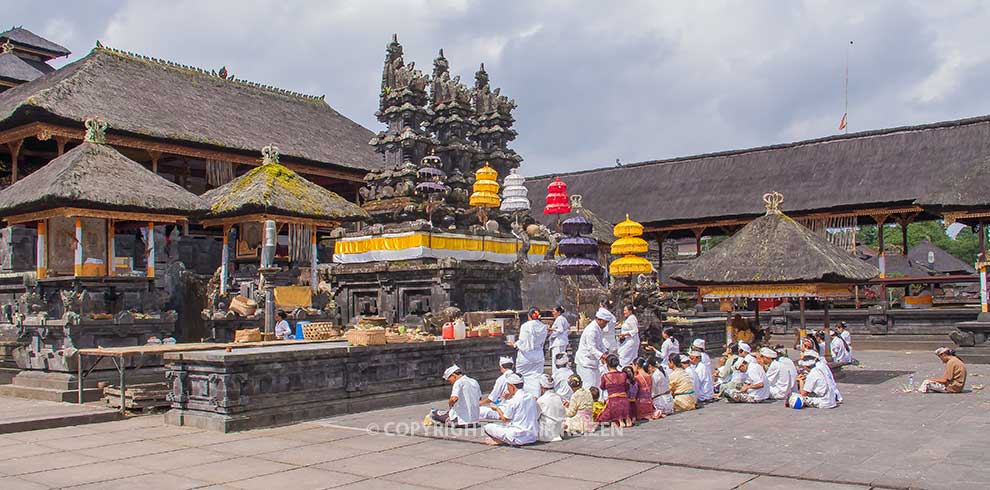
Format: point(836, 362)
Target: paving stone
point(320, 434)
point(297, 479)
point(375, 484)
point(777, 483)
point(88, 473)
point(14, 483)
point(157, 481)
point(229, 470)
point(46, 462)
point(375, 464)
point(447, 476)
point(129, 449)
point(207, 438)
point(91, 440)
point(257, 445)
point(686, 479)
point(180, 458)
point(438, 450)
point(15, 449)
point(312, 454)
point(530, 481)
point(509, 458)
point(593, 469)
point(378, 442)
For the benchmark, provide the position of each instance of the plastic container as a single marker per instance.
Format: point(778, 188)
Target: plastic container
point(448, 331)
point(460, 329)
point(300, 333)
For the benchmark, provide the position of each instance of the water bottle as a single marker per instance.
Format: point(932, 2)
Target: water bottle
point(911, 382)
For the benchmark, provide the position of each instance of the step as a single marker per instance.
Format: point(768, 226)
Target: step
point(50, 422)
point(896, 342)
point(48, 394)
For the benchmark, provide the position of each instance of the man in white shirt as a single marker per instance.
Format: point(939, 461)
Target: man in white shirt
point(591, 350)
point(506, 367)
point(746, 351)
point(530, 357)
point(562, 375)
point(814, 386)
point(756, 388)
point(519, 416)
point(699, 345)
point(552, 411)
point(558, 333)
point(463, 402)
point(779, 376)
point(704, 390)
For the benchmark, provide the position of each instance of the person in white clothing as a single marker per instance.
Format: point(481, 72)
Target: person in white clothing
point(840, 353)
point(628, 338)
point(519, 417)
point(699, 345)
point(814, 386)
point(704, 390)
point(530, 357)
point(552, 411)
point(747, 352)
point(843, 330)
point(825, 370)
point(755, 389)
point(463, 402)
point(779, 376)
point(608, 332)
point(282, 329)
point(558, 335)
point(506, 367)
point(591, 350)
point(663, 401)
point(560, 377)
point(668, 347)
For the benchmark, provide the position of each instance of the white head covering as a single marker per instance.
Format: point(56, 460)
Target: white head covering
point(562, 360)
point(941, 350)
point(768, 353)
point(810, 353)
point(739, 362)
point(743, 346)
point(695, 353)
point(698, 344)
point(502, 361)
point(513, 379)
point(451, 370)
point(807, 362)
point(604, 314)
point(546, 381)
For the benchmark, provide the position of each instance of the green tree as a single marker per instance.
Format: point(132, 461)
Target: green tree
point(965, 246)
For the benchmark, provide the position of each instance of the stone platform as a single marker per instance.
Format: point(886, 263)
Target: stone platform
point(275, 385)
point(18, 415)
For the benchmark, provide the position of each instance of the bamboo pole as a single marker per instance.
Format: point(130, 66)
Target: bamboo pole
point(224, 259)
point(77, 268)
point(150, 251)
point(42, 250)
point(313, 261)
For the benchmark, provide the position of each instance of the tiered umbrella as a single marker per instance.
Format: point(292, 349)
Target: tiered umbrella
point(580, 252)
point(485, 188)
point(514, 194)
point(431, 181)
point(557, 200)
point(629, 245)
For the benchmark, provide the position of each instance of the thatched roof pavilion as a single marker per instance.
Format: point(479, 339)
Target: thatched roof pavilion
point(272, 191)
point(93, 181)
point(774, 256)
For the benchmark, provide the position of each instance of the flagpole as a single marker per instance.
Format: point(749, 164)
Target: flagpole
point(845, 111)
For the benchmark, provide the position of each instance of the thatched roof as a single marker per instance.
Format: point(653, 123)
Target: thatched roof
point(96, 176)
point(16, 69)
point(775, 249)
point(898, 166)
point(154, 98)
point(23, 37)
point(961, 191)
point(275, 190)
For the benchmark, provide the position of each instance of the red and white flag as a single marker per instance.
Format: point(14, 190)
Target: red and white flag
point(842, 123)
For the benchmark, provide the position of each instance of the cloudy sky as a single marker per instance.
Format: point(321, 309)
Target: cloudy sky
point(595, 81)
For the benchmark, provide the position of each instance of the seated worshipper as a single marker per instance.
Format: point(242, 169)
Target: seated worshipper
point(746, 351)
point(953, 379)
point(695, 380)
point(663, 401)
point(724, 376)
point(705, 389)
point(632, 393)
point(756, 388)
point(519, 417)
point(562, 375)
point(840, 351)
point(780, 377)
point(463, 402)
point(843, 330)
point(530, 357)
point(741, 330)
point(643, 403)
point(558, 337)
point(505, 366)
point(580, 408)
point(599, 406)
point(616, 385)
point(680, 384)
point(628, 337)
point(282, 329)
point(591, 350)
point(699, 345)
point(552, 411)
point(814, 386)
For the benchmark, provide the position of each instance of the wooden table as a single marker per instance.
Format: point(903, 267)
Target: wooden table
point(119, 354)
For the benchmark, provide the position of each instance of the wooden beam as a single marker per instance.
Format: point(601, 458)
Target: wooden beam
point(236, 220)
point(93, 213)
point(35, 129)
point(15, 151)
point(721, 223)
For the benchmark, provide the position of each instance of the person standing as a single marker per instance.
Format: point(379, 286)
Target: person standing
point(628, 337)
point(530, 357)
point(559, 332)
point(463, 402)
point(670, 346)
point(519, 417)
point(591, 350)
point(282, 329)
point(608, 332)
point(954, 378)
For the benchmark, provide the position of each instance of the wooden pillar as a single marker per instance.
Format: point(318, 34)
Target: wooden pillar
point(698, 234)
point(660, 240)
point(982, 263)
point(313, 260)
point(77, 268)
point(882, 258)
point(15, 151)
point(756, 314)
point(224, 259)
point(804, 322)
point(150, 252)
point(111, 249)
point(60, 142)
point(828, 334)
point(155, 155)
point(42, 249)
point(904, 235)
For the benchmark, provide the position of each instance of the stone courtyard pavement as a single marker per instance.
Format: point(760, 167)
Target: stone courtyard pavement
point(879, 438)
